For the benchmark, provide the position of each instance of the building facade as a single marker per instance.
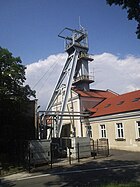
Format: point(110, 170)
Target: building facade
point(118, 120)
point(79, 101)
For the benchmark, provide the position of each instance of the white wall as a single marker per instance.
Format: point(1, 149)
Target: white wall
point(130, 140)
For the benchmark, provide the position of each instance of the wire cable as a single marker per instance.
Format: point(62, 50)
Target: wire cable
point(43, 75)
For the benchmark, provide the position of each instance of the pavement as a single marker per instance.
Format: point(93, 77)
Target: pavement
point(116, 159)
point(16, 176)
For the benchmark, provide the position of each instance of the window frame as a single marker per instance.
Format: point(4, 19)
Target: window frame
point(102, 131)
point(89, 131)
point(137, 129)
point(120, 133)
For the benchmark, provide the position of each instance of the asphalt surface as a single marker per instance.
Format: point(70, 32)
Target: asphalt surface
point(119, 167)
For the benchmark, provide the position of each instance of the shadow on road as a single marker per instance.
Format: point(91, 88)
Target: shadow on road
point(98, 174)
point(121, 168)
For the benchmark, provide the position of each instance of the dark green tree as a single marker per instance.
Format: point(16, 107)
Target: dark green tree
point(12, 78)
point(133, 10)
point(16, 125)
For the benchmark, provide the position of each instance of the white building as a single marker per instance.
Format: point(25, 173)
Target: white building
point(118, 120)
point(79, 101)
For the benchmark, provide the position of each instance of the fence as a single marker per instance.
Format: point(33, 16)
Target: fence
point(100, 147)
point(60, 152)
point(62, 155)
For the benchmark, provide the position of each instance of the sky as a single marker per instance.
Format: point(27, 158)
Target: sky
point(30, 28)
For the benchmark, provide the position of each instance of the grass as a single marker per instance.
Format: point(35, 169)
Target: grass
point(131, 184)
point(11, 169)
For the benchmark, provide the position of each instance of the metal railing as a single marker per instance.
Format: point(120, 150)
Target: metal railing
point(84, 77)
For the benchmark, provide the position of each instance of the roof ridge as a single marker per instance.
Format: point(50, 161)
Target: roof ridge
point(112, 92)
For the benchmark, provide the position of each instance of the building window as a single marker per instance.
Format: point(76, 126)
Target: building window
point(120, 131)
point(138, 130)
point(108, 105)
point(136, 99)
point(89, 131)
point(120, 103)
point(102, 131)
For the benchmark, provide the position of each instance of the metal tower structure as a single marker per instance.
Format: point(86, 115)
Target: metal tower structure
point(76, 67)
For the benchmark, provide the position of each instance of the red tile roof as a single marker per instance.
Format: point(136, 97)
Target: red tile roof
point(119, 104)
point(96, 93)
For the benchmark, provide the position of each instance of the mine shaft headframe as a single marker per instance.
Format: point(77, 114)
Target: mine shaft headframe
point(74, 38)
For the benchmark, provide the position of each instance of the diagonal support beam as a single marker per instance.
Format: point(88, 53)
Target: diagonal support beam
point(68, 88)
point(59, 83)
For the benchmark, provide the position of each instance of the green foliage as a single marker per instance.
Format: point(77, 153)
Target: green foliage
point(133, 10)
point(12, 78)
point(16, 118)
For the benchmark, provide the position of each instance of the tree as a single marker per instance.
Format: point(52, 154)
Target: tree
point(12, 78)
point(133, 10)
point(15, 123)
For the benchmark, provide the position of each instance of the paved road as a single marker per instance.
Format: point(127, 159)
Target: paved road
point(121, 167)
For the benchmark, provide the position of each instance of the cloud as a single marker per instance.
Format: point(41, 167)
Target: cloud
point(118, 74)
point(42, 76)
point(110, 71)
